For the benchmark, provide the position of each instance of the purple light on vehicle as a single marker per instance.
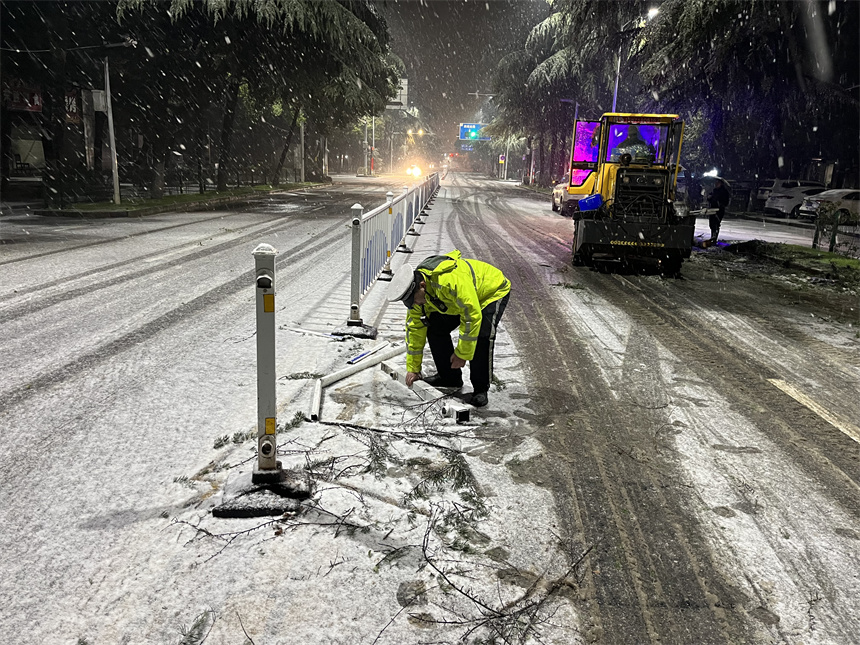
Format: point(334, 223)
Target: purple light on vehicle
point(586, 149)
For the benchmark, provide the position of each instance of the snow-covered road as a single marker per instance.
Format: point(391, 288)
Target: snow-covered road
point(634, 418)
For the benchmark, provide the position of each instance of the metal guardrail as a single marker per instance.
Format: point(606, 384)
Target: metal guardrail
point(379, 233)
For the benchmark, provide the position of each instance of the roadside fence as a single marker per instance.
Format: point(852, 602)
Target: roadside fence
point(379, 233)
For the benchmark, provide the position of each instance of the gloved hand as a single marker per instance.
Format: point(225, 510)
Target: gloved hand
point(457, 362)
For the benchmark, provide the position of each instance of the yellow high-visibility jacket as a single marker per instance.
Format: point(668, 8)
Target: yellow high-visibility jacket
point(457, 287)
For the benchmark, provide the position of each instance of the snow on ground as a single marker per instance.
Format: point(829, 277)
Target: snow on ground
point(419, 529)
point(765, 518)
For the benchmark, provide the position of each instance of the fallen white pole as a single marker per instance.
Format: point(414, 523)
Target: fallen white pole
point(369, 352)
point(334, 377)
point(457, 411)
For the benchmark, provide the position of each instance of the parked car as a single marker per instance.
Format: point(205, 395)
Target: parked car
point(564, 201)
point(845, 200)
point(787, 201)
point(559, 193)
point(777, 185)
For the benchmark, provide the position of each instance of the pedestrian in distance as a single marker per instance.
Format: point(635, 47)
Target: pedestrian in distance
point(719, 199)
point(443, 293)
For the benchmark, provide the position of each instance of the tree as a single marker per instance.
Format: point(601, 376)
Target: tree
point(329, 52)
point(55, 47)
point(758, 82)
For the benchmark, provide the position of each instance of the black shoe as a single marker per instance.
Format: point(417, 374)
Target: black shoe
point(437, 381)
point(479, 400)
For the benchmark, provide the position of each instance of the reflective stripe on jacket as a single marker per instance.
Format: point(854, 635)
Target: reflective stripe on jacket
point(458, 287)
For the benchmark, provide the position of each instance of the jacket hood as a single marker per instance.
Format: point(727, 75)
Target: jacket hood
point(439, 264)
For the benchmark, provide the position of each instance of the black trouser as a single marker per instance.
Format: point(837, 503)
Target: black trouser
point(439, 328)
point(714, 221)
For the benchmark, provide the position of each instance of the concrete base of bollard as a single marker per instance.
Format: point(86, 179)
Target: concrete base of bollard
point(268, 476)
point(244, 497)
point(358, 330)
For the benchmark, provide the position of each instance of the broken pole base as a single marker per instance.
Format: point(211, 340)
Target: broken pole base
point(357, 329)
point(451, 409)
point(404, 249)
point(246, 498)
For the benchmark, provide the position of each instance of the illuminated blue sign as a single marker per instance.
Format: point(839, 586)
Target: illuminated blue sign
point(472, 132)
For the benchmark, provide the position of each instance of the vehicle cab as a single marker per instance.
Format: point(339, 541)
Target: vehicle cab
point(629, 164)
point(631, 160)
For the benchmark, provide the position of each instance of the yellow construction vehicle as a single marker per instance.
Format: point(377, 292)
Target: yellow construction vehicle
point(629, 164)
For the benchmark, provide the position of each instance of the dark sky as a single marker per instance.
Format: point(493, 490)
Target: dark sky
point(450, 48)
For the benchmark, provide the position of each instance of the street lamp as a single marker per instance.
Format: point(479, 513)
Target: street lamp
point(651, 13)
point(410, 132)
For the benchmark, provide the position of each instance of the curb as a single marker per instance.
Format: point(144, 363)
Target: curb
point(785, 222)
point(209, 204)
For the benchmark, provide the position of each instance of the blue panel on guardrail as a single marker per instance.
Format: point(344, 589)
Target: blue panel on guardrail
point(373, 259)
point(397, 232)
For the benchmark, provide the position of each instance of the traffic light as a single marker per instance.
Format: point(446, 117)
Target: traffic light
point(473, 134)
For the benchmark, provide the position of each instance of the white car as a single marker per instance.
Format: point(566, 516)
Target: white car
point(846, 200)
point(559, 193)
point(564, 201)
point(778, 185)
point(787, 201)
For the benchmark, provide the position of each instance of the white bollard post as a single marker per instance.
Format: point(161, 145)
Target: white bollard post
point(355, 293)
point(268, 468)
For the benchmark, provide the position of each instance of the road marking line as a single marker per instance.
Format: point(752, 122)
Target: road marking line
point(845, 427)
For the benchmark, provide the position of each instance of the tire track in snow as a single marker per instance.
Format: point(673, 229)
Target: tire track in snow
point(85, 245)
point(821, 454)
point(633, 596)
point(163, 322)
point(43, 302)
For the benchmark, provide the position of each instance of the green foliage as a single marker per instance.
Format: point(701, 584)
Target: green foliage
point(325, 59)
point(199, 630)
point(453, 473)
point(750, 77)
point(378, 456)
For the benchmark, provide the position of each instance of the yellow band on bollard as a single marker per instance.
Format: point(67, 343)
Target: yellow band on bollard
point(270, 425)
point(269, 303)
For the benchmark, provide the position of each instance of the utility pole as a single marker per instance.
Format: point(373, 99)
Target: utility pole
point(302, 131)
point(113, 162)
point(373, 147)
point(365, 145)
point(507, 157)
